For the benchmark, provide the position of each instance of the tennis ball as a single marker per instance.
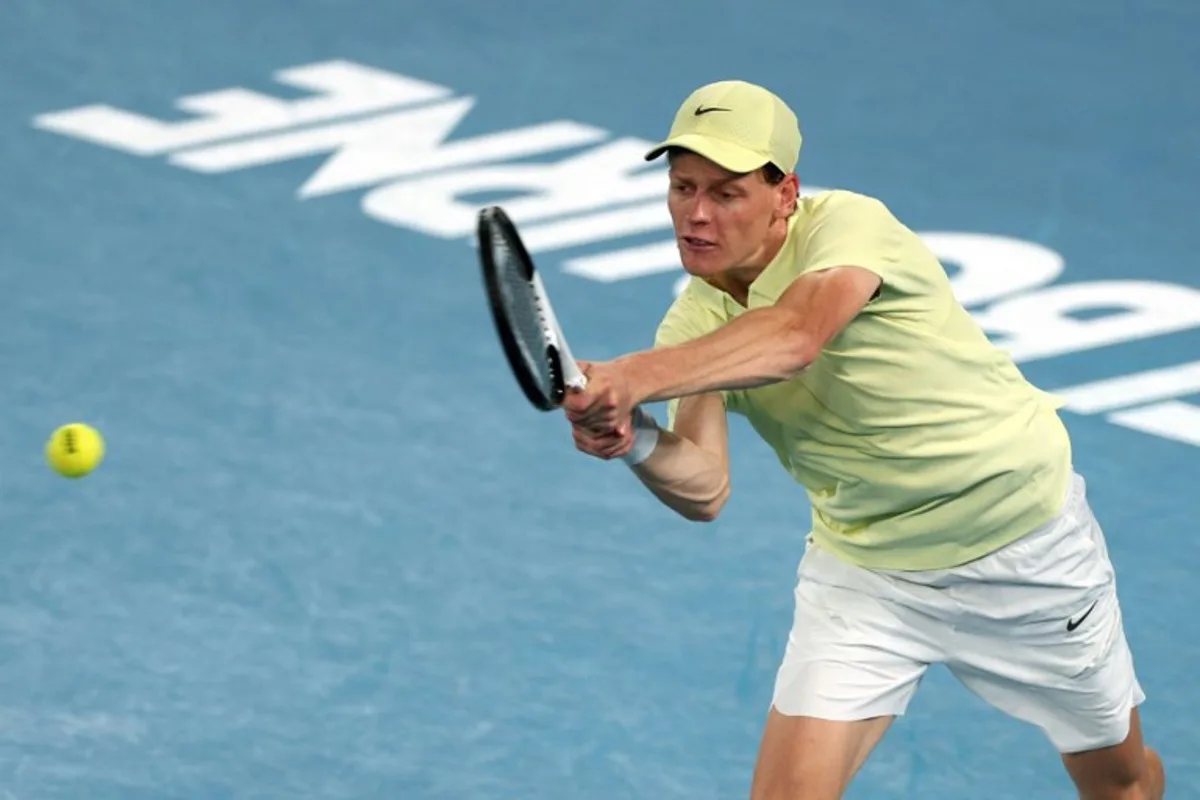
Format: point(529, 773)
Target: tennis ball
point(75, 450)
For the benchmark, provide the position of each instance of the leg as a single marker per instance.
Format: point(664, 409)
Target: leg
point(814, 759)
point(1126, 771)
point(853, 660)
point(1093, 720)
point(1044, 642)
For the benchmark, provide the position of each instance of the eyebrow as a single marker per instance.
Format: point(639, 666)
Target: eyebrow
point(716, 184)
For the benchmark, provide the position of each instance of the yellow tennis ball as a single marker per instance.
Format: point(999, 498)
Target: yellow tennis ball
point(75, 450)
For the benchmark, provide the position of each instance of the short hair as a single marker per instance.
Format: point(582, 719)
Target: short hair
point(771, 173)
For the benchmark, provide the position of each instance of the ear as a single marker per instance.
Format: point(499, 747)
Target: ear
point(786, 196)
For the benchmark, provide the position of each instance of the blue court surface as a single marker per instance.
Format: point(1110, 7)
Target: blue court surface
point(332, 552)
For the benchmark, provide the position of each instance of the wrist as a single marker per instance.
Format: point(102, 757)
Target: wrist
point(645, 437)
point(637, 369)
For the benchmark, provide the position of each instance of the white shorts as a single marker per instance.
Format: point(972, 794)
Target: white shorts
point(1034, 629)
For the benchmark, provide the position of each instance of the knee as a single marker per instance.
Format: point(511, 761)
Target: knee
point(1156, 776)
point(797, 777)
point(1145, 781)
point(790, 787)
point(1148, 783)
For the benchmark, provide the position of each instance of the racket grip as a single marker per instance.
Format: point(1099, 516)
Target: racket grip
point(573, 377)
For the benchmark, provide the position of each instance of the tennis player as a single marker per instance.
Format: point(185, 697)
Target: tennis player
point(948, 523)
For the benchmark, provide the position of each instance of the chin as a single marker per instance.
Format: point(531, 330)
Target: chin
point(703, 265)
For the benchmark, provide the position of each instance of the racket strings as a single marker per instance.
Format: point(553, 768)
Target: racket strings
point(524, 318)
point(527, 315)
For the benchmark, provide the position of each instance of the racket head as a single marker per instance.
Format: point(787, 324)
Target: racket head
point(521, 325)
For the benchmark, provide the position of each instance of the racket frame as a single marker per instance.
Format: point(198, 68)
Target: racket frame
point(563, 370)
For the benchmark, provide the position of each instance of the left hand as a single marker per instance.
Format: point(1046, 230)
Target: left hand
point(604, 406)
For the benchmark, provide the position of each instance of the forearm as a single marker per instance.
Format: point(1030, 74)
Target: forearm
point(684, 477)
point(760, 347)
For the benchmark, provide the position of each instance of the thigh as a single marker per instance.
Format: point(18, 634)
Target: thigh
point(812, 758)
point(853, 652)
point(855, 655)
point(1078, 711)
point(1042, 637)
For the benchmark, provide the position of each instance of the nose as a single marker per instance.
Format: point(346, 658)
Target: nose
point(700, 210)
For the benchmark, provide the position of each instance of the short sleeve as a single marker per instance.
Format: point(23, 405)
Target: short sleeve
point(853, 230)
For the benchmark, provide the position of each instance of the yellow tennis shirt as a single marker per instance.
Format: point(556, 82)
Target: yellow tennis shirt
point(919, 443)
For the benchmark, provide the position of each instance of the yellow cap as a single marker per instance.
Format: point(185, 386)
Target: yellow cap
point(737, 125)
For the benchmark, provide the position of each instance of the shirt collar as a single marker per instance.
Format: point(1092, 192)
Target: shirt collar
point(710, 294)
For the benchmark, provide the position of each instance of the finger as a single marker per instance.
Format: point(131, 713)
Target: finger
point(601, 446)
point(616, 451)
point(577, 401)
point(576, 408)
point(606, 446)
point(608, 428)
point(595, 438)
point(604, 418)
point(604, 430)
point(615, 448)
point(591, 448)
point(588, 399)
point(608, 425)
point(603, 407)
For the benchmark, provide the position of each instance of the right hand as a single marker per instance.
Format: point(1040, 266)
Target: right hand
point(600, 441)
point(603, 445)
point(605, 405)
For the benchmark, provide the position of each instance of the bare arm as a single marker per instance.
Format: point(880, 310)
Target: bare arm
point(762, 346)
point(688, 471)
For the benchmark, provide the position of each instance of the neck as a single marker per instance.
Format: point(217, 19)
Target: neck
point(736, 280)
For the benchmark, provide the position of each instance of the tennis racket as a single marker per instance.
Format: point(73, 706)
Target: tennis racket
point(530, 334)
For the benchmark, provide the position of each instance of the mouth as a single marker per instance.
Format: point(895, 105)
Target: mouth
point(697, 244)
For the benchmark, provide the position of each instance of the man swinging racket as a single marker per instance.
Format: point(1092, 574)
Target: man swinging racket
point(948, 523)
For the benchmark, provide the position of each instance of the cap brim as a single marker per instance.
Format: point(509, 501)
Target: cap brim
point(732, 157)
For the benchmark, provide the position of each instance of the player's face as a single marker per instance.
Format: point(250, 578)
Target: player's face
point(725, 221)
